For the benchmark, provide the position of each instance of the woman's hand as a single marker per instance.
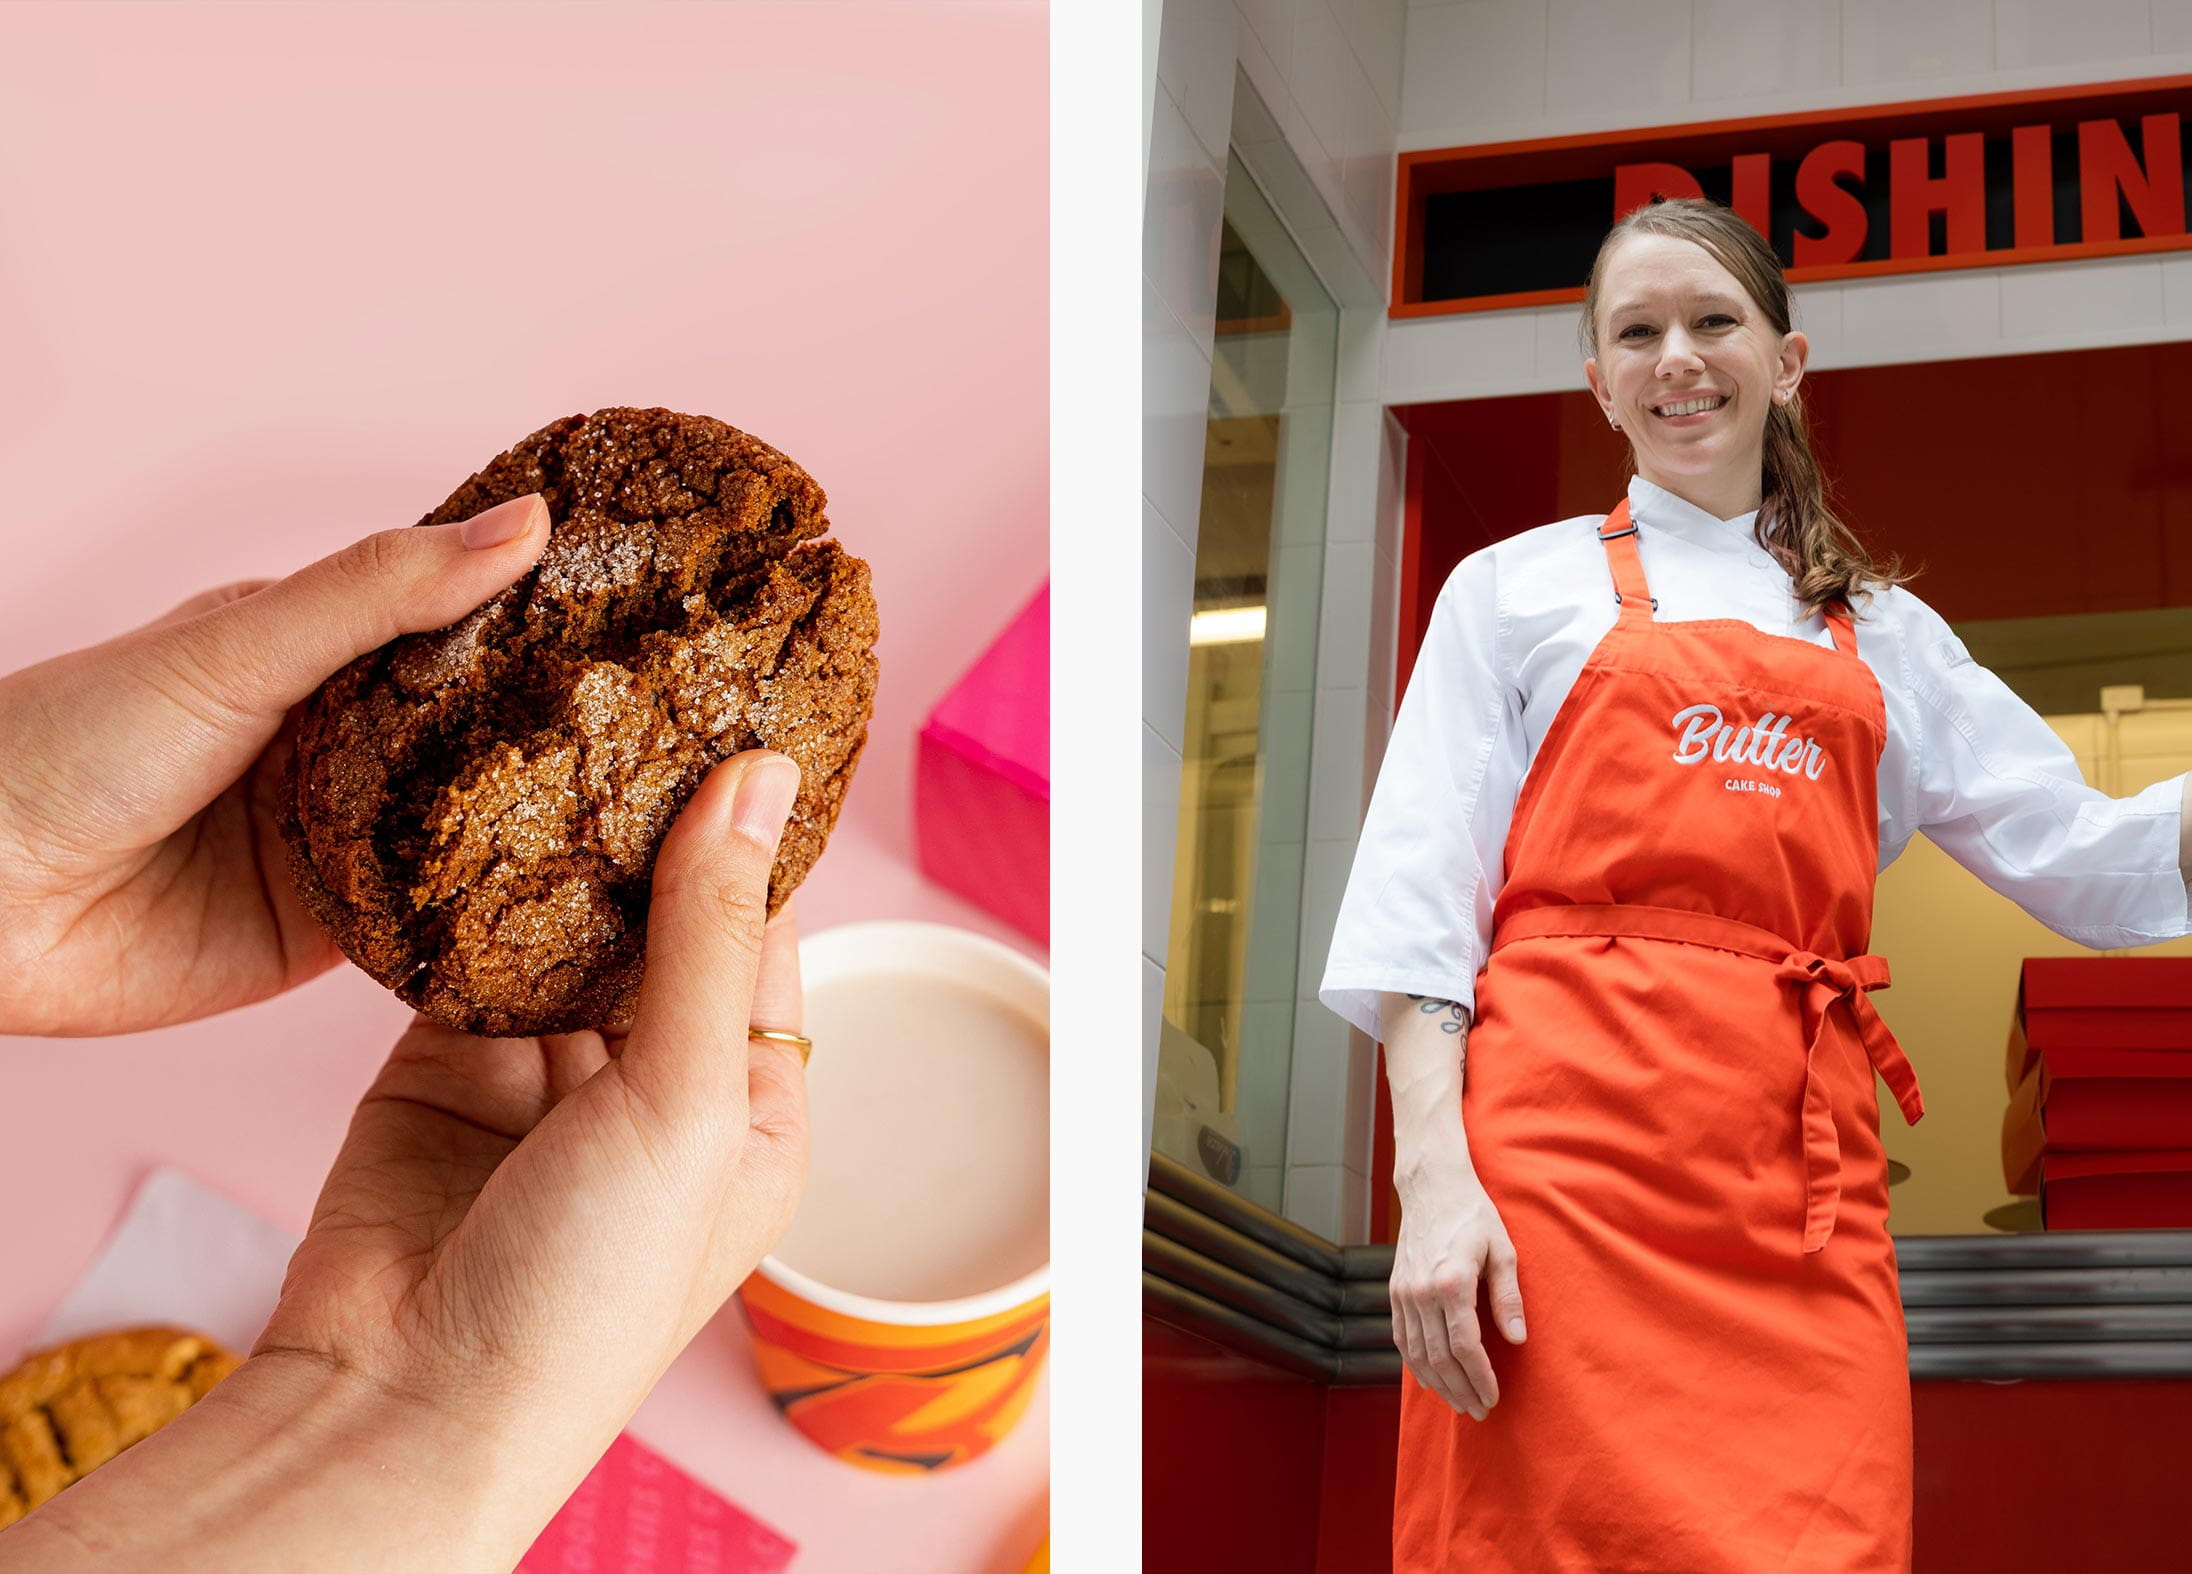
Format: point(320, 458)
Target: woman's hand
point(1451, 1237)
point(517, 1237)
point(142, 874)
point(1451, 1240)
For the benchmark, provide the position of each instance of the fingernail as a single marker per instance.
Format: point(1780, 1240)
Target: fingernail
point(1514, 1326)
point(503, 522)
point(764, 796)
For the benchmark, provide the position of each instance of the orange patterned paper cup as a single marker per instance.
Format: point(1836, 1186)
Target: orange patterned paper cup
point(905, 1386)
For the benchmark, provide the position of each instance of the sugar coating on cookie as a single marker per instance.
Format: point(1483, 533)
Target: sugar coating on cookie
point(474, 813)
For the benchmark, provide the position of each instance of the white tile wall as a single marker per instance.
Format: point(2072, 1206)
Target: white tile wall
point(1272, 22)
point(1292, 598)
point(2171, 21)
point(1160, 829)
point(1324, 878)
point(1265, 1185)
point(1352, 129)
point(1354, 1208)
point(1815, 310)
point(1920, 316)
point(1362, 1075)
point(1630, 60)
point(1180, 223)
point(1375, 30)
point(1894, 43)
point(2103, 295)
point(1316, 1124)
point(1439, 357)
point(1195, 51)
point(1472, 65)
point(1343, 639)
point(1335, 791)
point(1762, 49)
point(1152, 1018)
point(1271, 969)
point(1498, 70)
point(1168, 601)
point(2177, 285)
point(1262, 1110)
point(1360, 353)
point(1175, 405)
point(1357, 432)
point(1313, 1198)
point(2050, 33)
point(1283, 778)
point(1305, 470)
point(1559, 349)
point(1384, 630)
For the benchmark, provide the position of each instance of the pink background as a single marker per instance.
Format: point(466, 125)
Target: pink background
point(272, 277)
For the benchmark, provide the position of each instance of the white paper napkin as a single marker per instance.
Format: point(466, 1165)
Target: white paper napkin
point(183, 1254)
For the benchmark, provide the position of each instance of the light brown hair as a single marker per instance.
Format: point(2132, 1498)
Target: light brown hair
point(1825, 560)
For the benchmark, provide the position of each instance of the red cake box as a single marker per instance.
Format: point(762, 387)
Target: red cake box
point(2077, 1003)
point(2099, 1060)
point(981, 792)
point(2130, 1190)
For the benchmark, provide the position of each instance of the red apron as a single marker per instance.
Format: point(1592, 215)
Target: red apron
point(1669, 1098)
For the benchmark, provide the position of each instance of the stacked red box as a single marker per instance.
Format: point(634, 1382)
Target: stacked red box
point(2099, 1072)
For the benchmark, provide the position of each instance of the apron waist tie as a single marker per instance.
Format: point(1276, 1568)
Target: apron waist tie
point(1825, 981)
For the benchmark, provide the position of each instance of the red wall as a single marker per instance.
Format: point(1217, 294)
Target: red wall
point(2014, 1478)
point(1232, 1456)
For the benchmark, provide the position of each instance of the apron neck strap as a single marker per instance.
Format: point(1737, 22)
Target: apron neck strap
point(1618, 535)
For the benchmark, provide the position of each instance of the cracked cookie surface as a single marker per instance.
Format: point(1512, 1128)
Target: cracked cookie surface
point(69, 1409)
point(474, 813)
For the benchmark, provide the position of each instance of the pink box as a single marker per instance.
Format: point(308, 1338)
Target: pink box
point(636, 1513)
point(981, 795)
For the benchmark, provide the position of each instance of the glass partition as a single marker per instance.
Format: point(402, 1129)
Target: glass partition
point(1226, 1042)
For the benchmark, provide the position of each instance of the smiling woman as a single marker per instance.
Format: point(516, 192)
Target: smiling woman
point(1668, 1139)
point(1694, 352)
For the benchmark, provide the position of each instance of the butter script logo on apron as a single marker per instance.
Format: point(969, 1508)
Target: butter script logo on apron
point(1669, 1097)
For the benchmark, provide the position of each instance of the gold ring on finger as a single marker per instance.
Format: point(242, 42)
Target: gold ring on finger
point(798, 1041)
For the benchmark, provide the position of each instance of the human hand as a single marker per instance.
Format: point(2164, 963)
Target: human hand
point(536, 1227)
point(515, 1240)
point(143, 879)
point(1451, 1240)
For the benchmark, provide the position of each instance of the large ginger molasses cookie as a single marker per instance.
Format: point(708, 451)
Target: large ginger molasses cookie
point(68, 1410)
point(474, 813)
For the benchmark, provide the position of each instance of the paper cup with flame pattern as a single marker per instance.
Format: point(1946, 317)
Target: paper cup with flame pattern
point(897, 1385)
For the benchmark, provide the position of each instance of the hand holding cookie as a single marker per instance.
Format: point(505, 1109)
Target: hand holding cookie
point(142, 873)
point(517, 1237)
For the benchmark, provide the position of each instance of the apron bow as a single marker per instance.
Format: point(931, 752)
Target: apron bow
point(1825, 981)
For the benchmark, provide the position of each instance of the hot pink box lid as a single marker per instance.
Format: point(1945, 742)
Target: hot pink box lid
point(999, 713)
point(636, 1513)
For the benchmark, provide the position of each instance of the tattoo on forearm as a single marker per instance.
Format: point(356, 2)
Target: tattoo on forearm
point(1456, 1018)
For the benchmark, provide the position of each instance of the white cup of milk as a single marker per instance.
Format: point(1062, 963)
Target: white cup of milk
point(903, 1318)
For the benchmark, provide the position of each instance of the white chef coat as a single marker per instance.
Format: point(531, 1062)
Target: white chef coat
point(1966, 760)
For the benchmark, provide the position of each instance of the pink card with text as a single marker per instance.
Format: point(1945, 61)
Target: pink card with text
point(636, 1513)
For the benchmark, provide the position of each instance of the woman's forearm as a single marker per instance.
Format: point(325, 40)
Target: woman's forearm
point(1426, 1049)
point(287, 1464)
